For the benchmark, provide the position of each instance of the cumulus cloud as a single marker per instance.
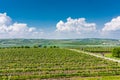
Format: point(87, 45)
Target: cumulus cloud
point(80, 28)
point(72, 28)
point(4, 19)
point(75, 25)
point(113, 25)
point(16, 30)
point(111, 29)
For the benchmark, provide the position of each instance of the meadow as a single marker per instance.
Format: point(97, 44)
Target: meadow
point(52, 63)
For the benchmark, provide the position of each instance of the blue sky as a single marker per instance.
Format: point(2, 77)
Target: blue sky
point(46, 14)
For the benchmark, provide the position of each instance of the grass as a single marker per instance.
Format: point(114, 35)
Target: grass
point(109, 55)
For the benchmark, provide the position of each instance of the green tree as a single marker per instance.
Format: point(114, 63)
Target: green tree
point(54, 46)
point(51, 47)
point(22, 46)
point(45, 46)
point(35, 46)
point(116, 52)
point(27, 46)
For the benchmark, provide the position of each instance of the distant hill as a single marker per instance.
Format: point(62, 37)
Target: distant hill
point(59, 42)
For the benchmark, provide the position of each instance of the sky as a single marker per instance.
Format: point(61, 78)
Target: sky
point(60, 19)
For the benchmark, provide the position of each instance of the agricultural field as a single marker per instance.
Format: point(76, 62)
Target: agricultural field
point(64, 43)
point(97, 49)
point(103, 51)
point(52, 63)
point(97, 78)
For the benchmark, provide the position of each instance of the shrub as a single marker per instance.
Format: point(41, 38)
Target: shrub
point(40, 46)
point(27, 46)
point(45, 47)
point(51, 47)
point(35, 46)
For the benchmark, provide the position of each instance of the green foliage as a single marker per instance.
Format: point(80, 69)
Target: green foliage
point(45, 47)
point(39, 46)
point(51, 46)
point(116, 52)
point(27, 46)
point(35, 46)
point(54, 46)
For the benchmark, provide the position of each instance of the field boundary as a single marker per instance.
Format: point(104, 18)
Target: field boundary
point(103, 57)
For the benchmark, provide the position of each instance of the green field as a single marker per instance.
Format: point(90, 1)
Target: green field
point(45, 63)
point(97, 78)
point(97, 49)
point(69, 43)
point(107, 51)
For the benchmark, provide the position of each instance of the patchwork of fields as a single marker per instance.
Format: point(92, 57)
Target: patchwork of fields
point(45, 63)
point(69, 43)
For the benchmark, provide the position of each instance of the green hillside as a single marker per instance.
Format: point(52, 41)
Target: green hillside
point(59, 42)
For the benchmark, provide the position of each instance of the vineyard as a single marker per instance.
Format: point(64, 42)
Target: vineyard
point(45, 63)
point(97, 49)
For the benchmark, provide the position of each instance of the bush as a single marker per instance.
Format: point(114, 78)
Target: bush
point(40, 46)
point(45, 47)
point(27, 46)
point(51, 47)
point(35, 46)
point(22, 46)
point(54, 47)
point(116, 52)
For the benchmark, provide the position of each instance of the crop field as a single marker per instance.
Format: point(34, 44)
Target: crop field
point(103, 51)
point(52, 63)
point(97, 49)
point(64, 43)
point(97, 78)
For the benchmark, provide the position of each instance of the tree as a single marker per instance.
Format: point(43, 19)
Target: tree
point(54, 46)
point(35, 46)
point(22, 46)
point(51, 47)
point(116, 52)
point(45, 46)
point(27, 46)
point(40, 46)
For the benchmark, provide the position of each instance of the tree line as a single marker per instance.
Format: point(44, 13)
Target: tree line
point(35, 46)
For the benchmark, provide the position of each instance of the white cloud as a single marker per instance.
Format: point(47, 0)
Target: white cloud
point(78, 26)
point(4, 19)
point(20, 27)
point(111, 29)
point(113, 25)
point(72, 28)
point(16, 30)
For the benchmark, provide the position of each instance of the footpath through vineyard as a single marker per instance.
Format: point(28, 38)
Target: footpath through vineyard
point(115, 60)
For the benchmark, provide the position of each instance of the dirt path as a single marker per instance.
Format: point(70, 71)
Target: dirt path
point(96, 55)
